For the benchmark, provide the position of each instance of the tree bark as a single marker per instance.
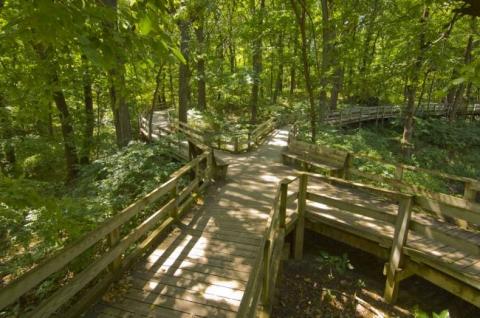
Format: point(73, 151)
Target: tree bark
point(293, 66)
point(256, 60)
point(326, 53)
point(300, 14)
point(458, 96)
point(118, 103)
point(279, 80)
point(89, 115)
point(70, 149)
point(412, 87)
point(184, 71)
point(201, 93)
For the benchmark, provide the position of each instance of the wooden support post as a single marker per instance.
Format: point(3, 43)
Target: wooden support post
point(469, 193)
point(174, 195)
point(300, 226)
point(113, 239)
point(283, 203)
point(347, 167)
point(266, 274)
point(210, 169)
point(396, 254)
point(235, 144)
point(399, 172)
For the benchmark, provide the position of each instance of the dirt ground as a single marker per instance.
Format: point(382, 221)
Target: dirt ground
point(334, 280)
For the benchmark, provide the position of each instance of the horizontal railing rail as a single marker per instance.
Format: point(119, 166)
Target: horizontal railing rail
point(358, 114)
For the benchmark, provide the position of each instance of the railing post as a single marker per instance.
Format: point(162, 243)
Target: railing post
point(174, 195)
point(393, 267)
point(283, 203)
point(266, 275)
point(235, 144)
point(469, 193)
point(399, 172)
point(348, 166)
point(300, 226)
point(113, 239)
point(209, 170)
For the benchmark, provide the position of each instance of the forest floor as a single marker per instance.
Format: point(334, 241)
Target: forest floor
point(334, 280)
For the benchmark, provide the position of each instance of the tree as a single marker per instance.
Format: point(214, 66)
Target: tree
point(300, 14)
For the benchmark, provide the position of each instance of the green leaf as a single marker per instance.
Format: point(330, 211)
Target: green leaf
point(178, 55)
point(145, 26)
point(458, 81)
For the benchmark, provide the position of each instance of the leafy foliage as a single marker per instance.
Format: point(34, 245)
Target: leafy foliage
point(38, 217)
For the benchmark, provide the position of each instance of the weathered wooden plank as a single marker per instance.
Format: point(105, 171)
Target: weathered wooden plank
point(351, 239)
point(178, 304)
point(443, 209)
point(363, 209)
point(181, 266)
point(140, 308)
point(220, 290)
point(239, 266)
point(189, 295)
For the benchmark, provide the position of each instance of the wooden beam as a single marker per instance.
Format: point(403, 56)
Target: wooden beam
point(300, 226)
point(396, 254)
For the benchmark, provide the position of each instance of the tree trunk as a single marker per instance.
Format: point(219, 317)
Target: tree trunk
point(121, 113)
point(67, 133)
point(300, 14)
point(89, 115)
point(256, 60)
point(412, 88)
point(279, 80)
point(326, 54)
point(293, 66)
point(201, 93)
point(184, 71)
point(337, 87)
point(458, 96)
point(156, 92)
point(170, 82)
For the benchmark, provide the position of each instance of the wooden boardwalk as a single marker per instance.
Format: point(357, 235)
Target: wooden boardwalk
point(221, 257)
point(202, 268)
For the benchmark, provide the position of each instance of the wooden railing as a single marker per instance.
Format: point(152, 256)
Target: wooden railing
point(156, 211)
point(420, 214)
point(359, 114)
point(235, 142)
point(397, 174)
point(261, 283)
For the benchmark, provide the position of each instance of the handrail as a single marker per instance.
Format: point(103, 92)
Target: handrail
point(176, 203)
point(236, 142)
point(357, 114)
point(471, 186)
point(267, 261)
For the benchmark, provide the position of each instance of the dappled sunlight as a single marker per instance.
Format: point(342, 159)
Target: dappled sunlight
point(215, 290)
